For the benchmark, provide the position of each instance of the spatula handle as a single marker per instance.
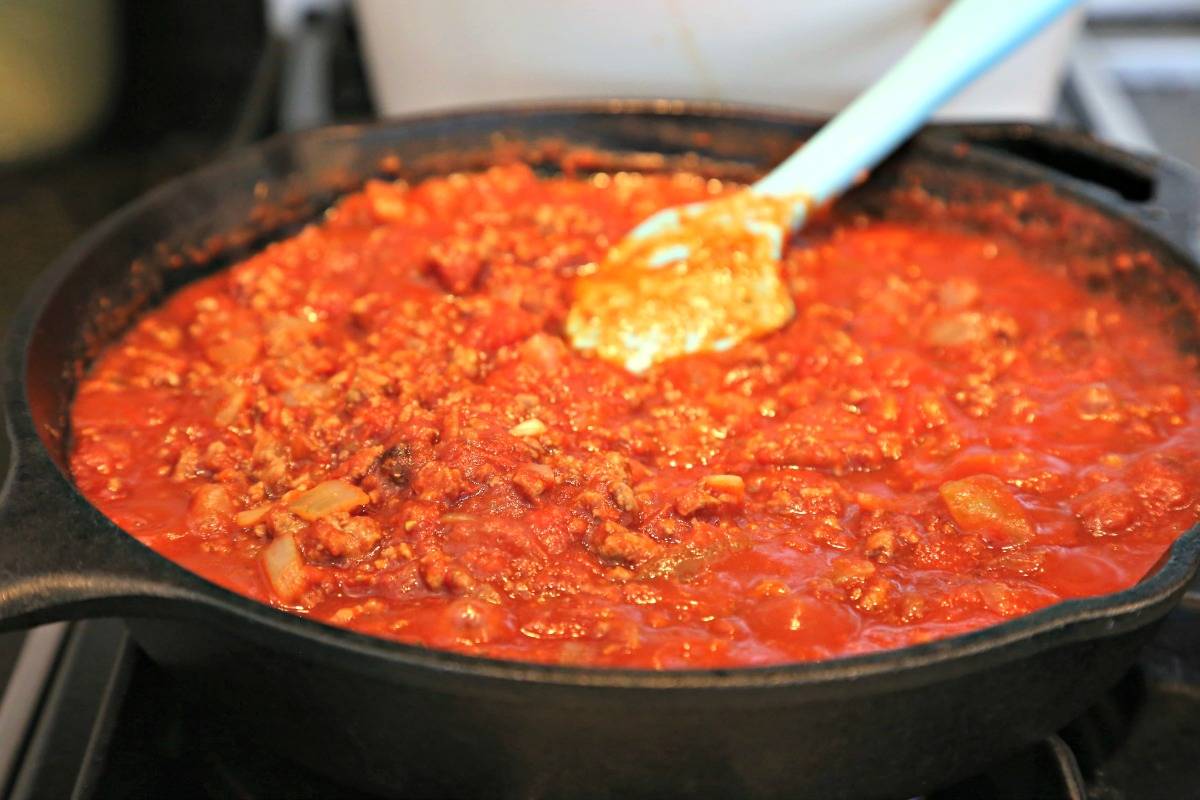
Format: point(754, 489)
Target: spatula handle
point(967, 39)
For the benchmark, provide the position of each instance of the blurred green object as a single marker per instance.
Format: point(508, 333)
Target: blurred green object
point(57, 67)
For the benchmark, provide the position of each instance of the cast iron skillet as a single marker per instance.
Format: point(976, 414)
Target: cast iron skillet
point(408, 721)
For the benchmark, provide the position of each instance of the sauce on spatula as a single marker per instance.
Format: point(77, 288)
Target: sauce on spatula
point(704, 278)
point(703, 284)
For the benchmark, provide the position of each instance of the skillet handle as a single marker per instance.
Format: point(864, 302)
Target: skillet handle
point(62, 559)
point(1161, 193)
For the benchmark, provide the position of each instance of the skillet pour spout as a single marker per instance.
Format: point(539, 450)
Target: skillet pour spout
point(405, 721)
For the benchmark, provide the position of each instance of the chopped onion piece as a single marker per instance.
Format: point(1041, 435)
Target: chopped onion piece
point(284, 567)
point(232, 405)
point(330, 497)
point(727, 488)
point(530, 427)
point(252, 516)
point(306, 394)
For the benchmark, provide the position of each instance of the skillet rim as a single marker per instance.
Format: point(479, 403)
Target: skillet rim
point(1051, 627)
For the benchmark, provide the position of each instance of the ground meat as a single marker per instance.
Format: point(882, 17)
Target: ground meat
point(533, 479)
point(397, 465)
point(349, 538)
point(377, 423)
point(621, 544)
point(693, 501)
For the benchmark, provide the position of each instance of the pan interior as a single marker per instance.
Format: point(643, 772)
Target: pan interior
point(190, 228)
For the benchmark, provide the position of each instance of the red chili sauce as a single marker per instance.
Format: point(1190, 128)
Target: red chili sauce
point(377, 424)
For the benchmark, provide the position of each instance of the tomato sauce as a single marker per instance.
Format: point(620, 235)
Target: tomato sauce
point(378, 424)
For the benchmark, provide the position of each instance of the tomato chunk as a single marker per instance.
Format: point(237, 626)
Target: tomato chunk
point(984, 504)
